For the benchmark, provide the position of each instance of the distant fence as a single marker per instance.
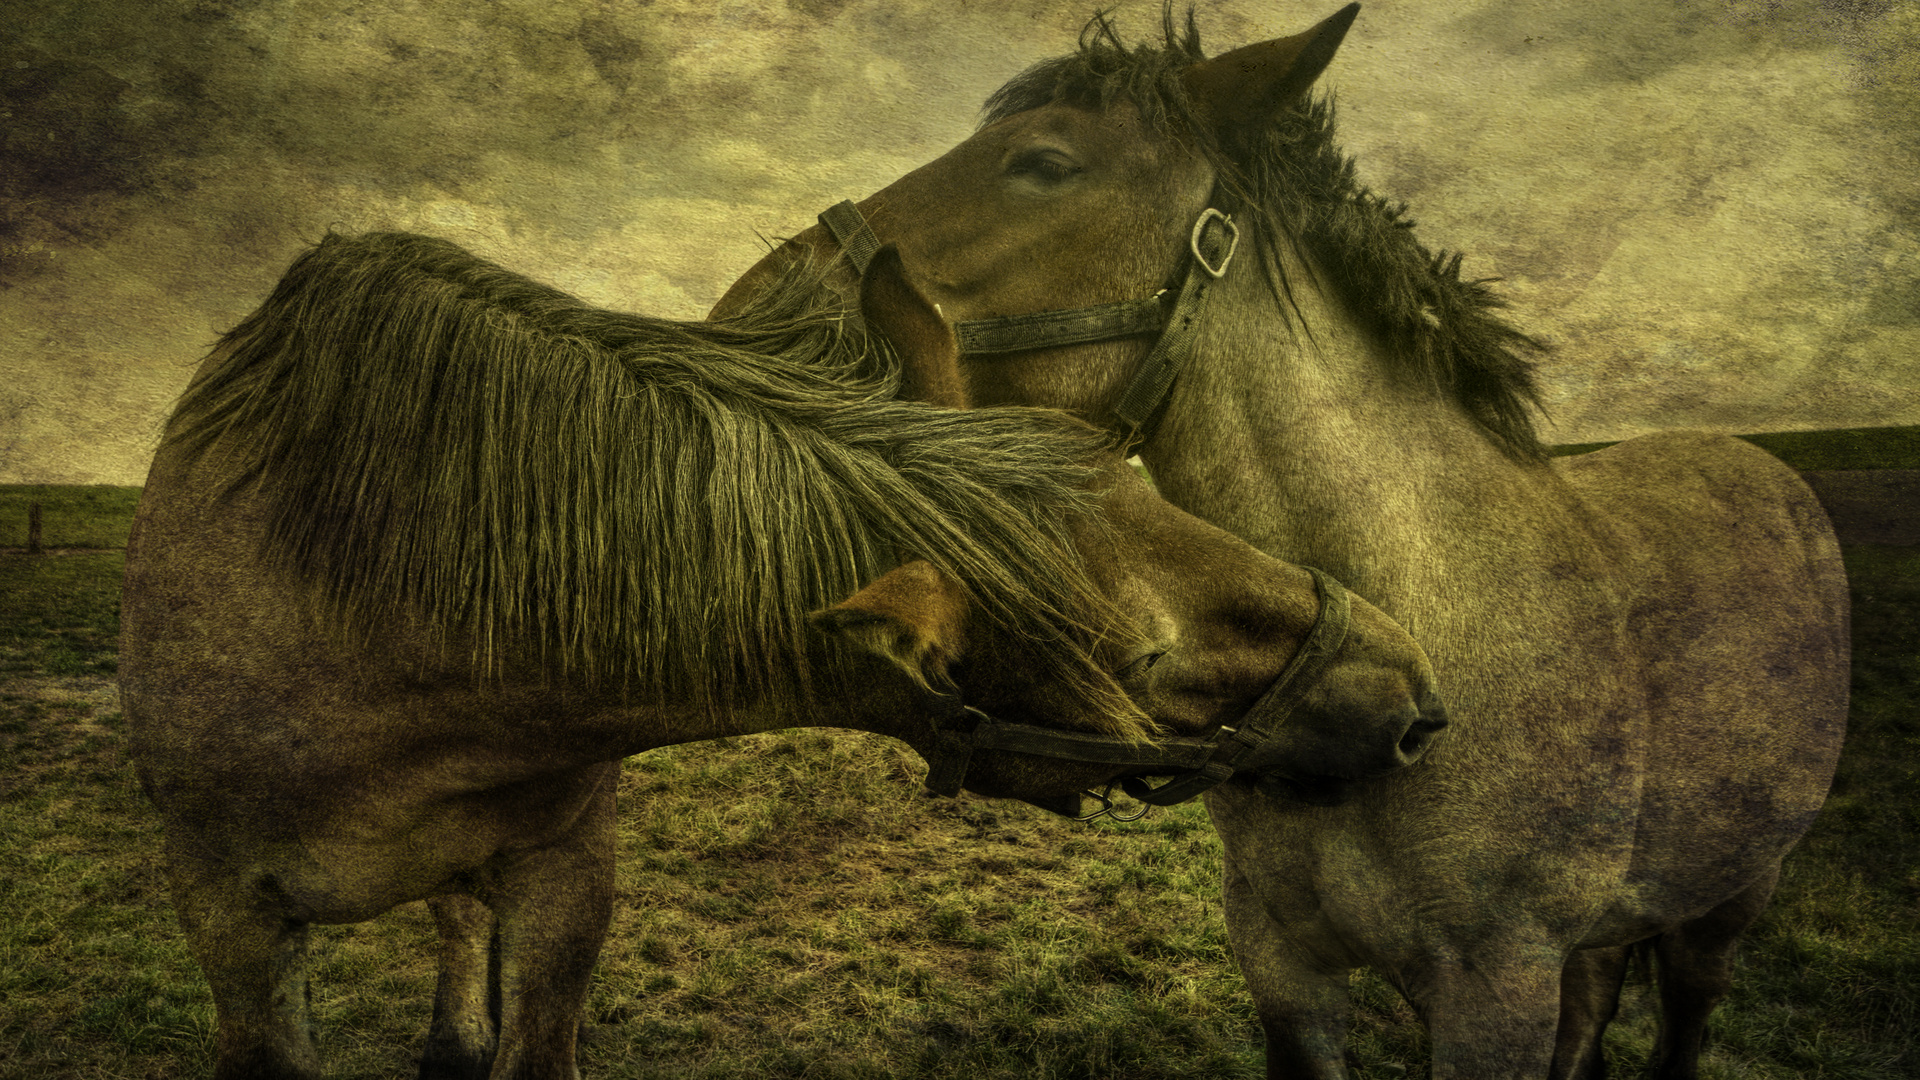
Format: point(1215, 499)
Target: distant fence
point(1867, 478)
point(72, 516)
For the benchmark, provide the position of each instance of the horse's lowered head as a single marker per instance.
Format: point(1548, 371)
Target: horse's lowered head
point(1220, 626)
point(1247, 665)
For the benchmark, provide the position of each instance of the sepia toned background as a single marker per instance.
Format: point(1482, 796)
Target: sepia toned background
point(1712, 209)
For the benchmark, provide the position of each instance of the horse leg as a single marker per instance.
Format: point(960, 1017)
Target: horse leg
point(1589, 997)
point(466, 1003)
point(255, 960)
point(1303, 1011)
point(1696, 971)
point(553, 904)
point(1493, 1014)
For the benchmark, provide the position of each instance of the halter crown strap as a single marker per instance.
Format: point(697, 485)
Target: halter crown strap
point(858, 243)
point(852, 232)
point(955, 728)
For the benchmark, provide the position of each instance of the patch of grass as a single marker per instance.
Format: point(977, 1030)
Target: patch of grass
point(71, 515)
point(871, 930)
point(791, 905)
point(60, 615)
point(95, 979)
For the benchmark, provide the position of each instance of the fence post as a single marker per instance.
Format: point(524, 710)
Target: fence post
point(33, 528)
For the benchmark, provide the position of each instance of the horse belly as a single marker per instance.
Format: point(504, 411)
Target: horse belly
point(332, 823)
point(362, 864)
point(343, 809)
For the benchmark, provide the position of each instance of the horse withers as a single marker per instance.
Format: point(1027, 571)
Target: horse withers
point(428, 547)
point(1645, 649)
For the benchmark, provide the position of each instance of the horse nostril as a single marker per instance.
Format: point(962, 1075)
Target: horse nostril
point(1419, 734)
point(1412, 743)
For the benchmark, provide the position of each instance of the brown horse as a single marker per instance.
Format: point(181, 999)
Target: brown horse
point(429, 547)
point(1644, 649)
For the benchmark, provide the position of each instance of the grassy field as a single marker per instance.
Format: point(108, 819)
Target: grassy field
point(71, 516)
point(791, 905)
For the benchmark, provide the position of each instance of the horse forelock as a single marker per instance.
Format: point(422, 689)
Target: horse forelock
point(640, 502)
point(1292, 179)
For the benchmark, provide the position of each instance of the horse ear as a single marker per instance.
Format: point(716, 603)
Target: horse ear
point(929, 352)
point(913, 615)
point(1243, 89)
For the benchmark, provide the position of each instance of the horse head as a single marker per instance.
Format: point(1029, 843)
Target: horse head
point(1068, 202)
point(1219, 625)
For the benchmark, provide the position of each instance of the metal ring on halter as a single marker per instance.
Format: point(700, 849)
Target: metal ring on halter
point(1233, 242)
point(1106, 807)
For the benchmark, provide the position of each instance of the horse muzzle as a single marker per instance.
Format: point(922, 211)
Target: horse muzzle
point(1340, 739)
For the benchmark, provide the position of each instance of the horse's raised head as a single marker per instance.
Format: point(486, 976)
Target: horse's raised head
point(1082, 188)
point(1219, 623)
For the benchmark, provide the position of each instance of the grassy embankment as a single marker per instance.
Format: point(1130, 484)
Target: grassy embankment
point(790, 905)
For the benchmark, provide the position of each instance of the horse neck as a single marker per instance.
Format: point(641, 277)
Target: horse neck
point(1299, 434)
point(867, 696)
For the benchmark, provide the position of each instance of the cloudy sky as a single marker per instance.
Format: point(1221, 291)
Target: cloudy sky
point(1712, 209)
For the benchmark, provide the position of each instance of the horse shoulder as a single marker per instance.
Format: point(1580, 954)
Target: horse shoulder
point(263, 728)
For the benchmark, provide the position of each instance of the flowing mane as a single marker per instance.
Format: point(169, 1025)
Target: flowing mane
point(1294, 181)
point(643, 502)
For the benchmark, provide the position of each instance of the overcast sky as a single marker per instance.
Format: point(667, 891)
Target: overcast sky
point(1709, 208)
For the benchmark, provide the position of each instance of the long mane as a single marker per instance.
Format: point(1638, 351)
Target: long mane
point(638, 501)
point(1293, 180)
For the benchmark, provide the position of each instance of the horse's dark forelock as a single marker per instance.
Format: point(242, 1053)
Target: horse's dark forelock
point(643, 502)
point(1105, 70)
point(1293, 179)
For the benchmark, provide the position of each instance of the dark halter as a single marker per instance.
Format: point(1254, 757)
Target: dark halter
point(1194, 763)
point(1210, 249)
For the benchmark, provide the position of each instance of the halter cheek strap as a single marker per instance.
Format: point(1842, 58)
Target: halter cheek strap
point(1139, 406)
point(1239, 749)
point(1210, 247)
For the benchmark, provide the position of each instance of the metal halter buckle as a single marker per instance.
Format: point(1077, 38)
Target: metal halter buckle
point(1233, 242)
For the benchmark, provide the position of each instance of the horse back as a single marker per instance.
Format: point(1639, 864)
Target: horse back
point(1739, 610)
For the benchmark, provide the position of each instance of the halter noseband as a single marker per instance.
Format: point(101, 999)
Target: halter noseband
point(1194, 763)
point(1210, 247)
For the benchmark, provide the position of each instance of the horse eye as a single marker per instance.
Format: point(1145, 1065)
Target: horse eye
point(1046, 166)
point(1139, 665)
